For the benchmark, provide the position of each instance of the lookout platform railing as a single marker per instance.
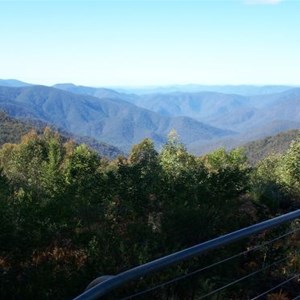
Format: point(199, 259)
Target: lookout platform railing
point(287, 237)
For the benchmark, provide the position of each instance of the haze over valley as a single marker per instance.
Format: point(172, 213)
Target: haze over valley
point(218, 116)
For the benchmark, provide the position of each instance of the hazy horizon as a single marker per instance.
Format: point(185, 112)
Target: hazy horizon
point(149, 86)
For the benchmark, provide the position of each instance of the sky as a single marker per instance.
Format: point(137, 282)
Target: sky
point(150, 42)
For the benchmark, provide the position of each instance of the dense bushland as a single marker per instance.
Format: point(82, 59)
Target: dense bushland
point(68, 215)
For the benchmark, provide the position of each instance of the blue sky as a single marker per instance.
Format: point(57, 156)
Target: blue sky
point(118, 43)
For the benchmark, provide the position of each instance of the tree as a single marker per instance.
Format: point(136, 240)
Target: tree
point(266, 188)
point(290, 168)
point(133, 205)
point(228, 173)
point(83, 185)
point(183, 193)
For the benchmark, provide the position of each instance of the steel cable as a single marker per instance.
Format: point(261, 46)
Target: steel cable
point(275, 287)
point(215, 264)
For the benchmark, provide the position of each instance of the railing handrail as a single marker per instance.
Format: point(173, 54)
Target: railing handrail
point(118, 280)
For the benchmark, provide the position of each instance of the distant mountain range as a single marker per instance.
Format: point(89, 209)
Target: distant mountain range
point(252, 117)
point(203, 119)
point(13, 83)
point(113, 121)
point(244, 90)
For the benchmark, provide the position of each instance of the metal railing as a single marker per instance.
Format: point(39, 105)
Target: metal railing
point(119, 280)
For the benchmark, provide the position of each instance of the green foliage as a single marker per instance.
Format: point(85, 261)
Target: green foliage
point(179, 168)
point(266, 188)
point(229, 173)
point(276, 180)
point(290, 168)
point(68, 215)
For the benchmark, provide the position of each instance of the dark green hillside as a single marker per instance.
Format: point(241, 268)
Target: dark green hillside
point(11, 131)
point(278, 144)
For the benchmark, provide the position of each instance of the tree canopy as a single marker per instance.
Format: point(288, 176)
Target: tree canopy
point(68, 215)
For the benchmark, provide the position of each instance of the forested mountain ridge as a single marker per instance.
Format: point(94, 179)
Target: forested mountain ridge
point(278, 144)
point(113, 121)
point(11, 131)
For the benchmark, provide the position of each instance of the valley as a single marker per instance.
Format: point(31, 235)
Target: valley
point(204, 117)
